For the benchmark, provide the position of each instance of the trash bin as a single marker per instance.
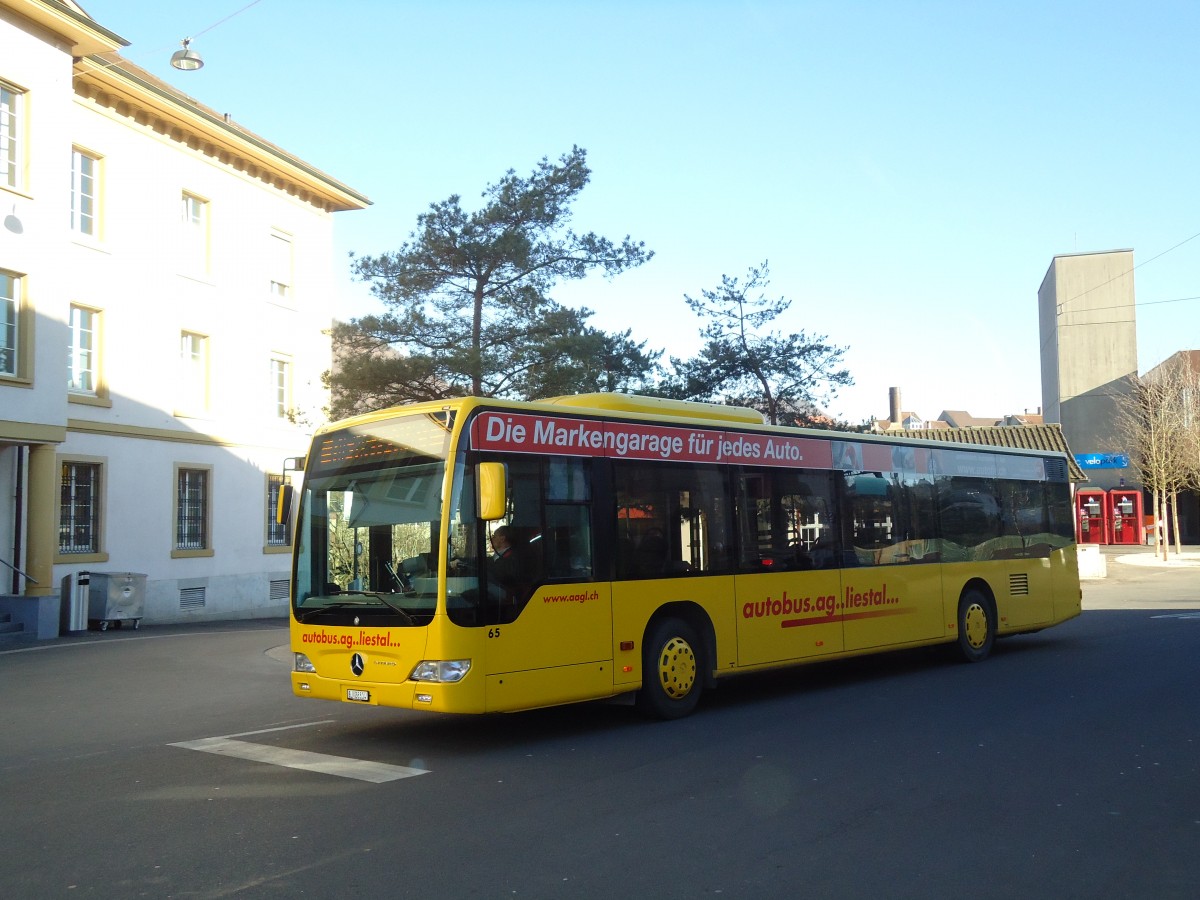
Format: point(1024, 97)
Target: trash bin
point(115, 598)
point(73, 613)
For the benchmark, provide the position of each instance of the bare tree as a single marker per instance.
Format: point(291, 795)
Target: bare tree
point(1159, 419)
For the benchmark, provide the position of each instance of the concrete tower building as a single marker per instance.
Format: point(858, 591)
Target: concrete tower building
point(1086, 369)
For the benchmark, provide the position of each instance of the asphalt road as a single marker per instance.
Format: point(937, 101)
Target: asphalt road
point(174, 762)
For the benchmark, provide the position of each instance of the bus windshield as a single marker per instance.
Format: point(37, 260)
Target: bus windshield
point(369, 520)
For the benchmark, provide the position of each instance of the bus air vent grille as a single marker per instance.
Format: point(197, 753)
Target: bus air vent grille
point(1018, 585)
point(1056, 470)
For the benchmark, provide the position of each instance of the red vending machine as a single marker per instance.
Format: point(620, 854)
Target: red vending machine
point(1091, 516)
point(1125, 509)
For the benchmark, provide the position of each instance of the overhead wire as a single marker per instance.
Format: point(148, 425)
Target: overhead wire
point(1096, 309)
point(196, 34)
point(1062, 306)
point(227, 18)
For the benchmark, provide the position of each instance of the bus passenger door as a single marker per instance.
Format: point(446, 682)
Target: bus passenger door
point(787, 583)
point(551, 640)
point(787, 615)
point(891, 591)
point(886, 605)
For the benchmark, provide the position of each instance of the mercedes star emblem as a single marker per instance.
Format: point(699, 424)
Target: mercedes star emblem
point(357, 664)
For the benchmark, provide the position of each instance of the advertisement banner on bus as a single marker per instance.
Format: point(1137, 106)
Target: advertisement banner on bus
point(507, 432)
point(524, 433)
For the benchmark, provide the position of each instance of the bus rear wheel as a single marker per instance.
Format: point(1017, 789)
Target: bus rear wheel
point(672, 670)
point(976, 626)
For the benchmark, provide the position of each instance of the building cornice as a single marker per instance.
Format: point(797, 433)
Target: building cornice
point(83, 34)
point(181, 436)
point(32, 432)
point(133, 93)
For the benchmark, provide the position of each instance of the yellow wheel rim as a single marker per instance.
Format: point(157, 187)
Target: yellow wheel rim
point(975, 626)
point(677, 668)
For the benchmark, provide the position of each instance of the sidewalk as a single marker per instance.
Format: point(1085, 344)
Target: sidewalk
point(1145, 556)
point(1137, 579)
point(146, 632)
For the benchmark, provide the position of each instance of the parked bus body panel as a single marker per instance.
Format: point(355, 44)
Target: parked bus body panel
point(784, 616)
point(559, 649)
point(635, 603)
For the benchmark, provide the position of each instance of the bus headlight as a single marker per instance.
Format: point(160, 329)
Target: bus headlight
point(304, 664)
point(442, 671)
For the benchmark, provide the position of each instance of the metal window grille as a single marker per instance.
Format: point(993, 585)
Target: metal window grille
point(191, 525)
point(278, 534)
point(191, 598)
point(79, 508)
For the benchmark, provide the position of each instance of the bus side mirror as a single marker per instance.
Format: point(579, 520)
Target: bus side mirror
point(283, 504)
point(492, 490)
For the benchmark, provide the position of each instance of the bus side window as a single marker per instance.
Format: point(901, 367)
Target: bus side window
point(786, 521)
point(567, 538)
point(914, 528)
point(568, 541)
point(969, 516)
point(671, 520)
point(871, 523)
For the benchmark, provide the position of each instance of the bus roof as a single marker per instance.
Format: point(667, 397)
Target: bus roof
point(636, 405)
point(659, 406)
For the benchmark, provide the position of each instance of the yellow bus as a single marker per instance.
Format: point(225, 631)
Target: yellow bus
point(478, 555)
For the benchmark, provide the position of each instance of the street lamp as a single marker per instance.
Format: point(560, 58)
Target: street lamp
point(186, 59)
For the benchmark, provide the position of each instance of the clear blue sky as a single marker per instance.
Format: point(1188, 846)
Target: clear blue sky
point(909, 169)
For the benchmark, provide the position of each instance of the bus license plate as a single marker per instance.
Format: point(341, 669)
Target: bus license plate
point(354, 694)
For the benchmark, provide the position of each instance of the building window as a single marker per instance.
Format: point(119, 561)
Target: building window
point(10, 136)
point(85, 196)
point(278, 533)
point(191, 509)
point(281, 387)
point(194, 221)
point(193, 372)
point(79, 508)
point(279, 256)
point(10, 317)
point(81, 355)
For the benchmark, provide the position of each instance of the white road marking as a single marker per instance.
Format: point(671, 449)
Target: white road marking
point(341, 766)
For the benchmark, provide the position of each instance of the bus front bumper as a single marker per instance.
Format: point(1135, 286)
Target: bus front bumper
point(459, 697)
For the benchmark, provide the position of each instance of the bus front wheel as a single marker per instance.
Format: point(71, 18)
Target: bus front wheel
point(976, 626)
point(672, 670)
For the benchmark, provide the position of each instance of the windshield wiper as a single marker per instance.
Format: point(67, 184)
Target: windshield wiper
point(306, 614)
point(344, 604)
